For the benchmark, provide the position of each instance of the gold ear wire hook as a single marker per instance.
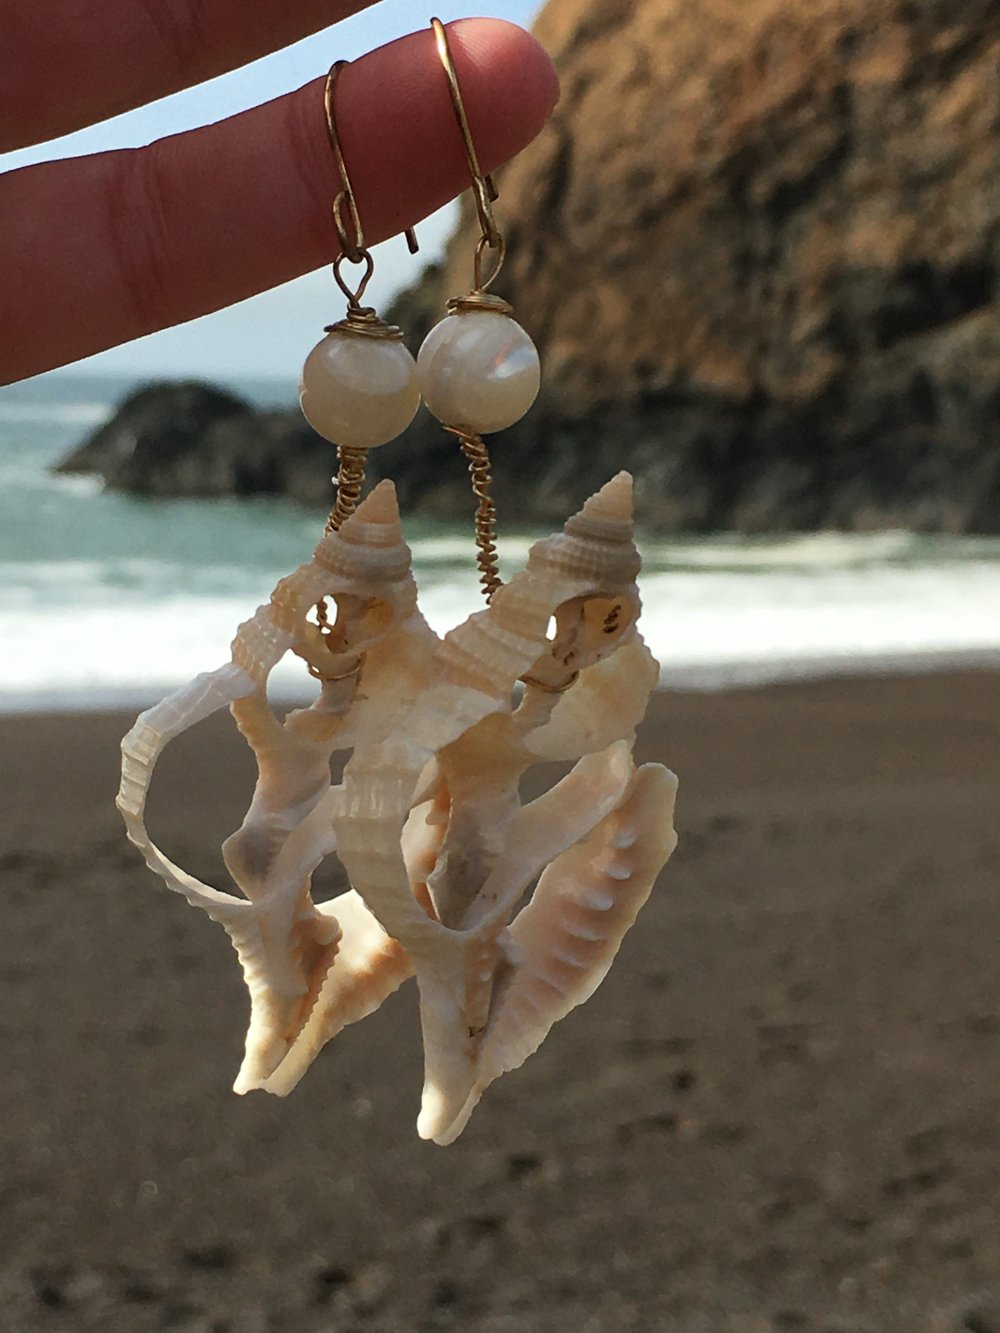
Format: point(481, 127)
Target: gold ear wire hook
point(483, 187)
point(352, 249)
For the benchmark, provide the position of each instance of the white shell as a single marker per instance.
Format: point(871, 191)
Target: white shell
point(463, 734)
point(370, 966)
point(428, 821)
point(566, 938)
point(285, 944)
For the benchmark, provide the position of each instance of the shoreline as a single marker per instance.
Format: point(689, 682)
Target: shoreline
point(705, 678)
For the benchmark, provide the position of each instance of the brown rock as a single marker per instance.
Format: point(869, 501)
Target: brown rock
point(758, 248)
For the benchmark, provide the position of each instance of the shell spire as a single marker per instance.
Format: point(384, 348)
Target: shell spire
point(378, 506)
point(597, 544)
point(612, 503)
point(379, 510)
point(370, 543)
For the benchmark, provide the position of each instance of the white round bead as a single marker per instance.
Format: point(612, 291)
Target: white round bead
point(478, 370)
point(359, 391)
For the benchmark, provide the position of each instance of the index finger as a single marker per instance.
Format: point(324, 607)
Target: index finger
point(101, 249)
point(99, 59)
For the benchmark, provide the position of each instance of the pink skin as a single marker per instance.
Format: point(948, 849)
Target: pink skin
point(102, 249)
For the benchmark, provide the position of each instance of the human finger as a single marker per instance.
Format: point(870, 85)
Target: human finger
point(106, 57)
point(103, 249)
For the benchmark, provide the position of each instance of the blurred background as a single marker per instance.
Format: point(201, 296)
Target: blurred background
point(758, 250)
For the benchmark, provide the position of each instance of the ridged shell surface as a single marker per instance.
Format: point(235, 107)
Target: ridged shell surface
point(464, 731)
point(383, 652)
point(429, 822)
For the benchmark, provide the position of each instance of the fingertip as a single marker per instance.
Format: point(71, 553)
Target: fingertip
point(209, 217)
point(513, 76)
point(395, 102)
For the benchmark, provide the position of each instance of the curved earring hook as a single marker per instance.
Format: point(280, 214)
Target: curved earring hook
point(353, 249)
point(483, 187)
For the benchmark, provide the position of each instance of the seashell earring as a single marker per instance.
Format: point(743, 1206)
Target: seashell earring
point(507, 912)
point(359, 384)
point(479, 371)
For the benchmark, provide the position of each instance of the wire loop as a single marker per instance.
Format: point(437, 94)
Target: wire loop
point(498, 254)
point(561, 688)
point(355, 294)
point(354, 248)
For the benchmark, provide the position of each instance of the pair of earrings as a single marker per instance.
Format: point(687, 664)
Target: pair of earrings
point(427, 820)
point(478, 370)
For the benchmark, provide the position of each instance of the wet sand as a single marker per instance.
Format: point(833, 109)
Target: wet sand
point(780, 1112)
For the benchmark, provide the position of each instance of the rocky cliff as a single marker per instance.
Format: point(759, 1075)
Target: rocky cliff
point(759, 250)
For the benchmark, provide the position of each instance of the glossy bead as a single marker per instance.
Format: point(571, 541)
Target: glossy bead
point(478, 370)
point(359, 391)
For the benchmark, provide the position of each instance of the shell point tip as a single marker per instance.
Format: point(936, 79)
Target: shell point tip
point(379, 505)
point(613, 500)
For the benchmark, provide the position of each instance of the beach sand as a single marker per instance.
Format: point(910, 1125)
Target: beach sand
point(780, 1111)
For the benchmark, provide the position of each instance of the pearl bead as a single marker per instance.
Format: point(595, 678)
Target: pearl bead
point(359, 391)
point(478, 370)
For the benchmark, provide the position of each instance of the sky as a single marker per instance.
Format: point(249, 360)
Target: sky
point(269, 334)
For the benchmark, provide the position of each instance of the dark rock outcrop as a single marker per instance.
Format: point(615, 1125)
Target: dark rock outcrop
point(759, 250)
point(193, 439)
point(151, 445)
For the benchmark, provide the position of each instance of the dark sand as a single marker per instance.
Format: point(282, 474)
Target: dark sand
point(780, 1112)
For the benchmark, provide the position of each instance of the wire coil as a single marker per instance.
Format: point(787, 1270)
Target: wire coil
point(481, 472)
point(350, 484)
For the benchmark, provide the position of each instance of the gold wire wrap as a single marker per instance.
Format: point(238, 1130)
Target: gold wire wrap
point(483, 187)
point(552, 689)
point(480, 300)
point(344, 675)
point(364, 321)
point(481, 472)
point(485, 194)
point(350, 484)
point(360, 319)
point(354, 249)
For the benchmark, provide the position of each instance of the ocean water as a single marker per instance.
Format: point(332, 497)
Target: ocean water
point(112, 600)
